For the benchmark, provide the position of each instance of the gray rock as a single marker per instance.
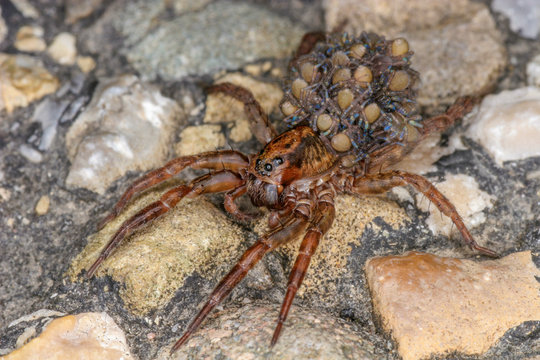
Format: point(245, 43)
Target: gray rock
point(221, 36)
point(76, 10)
point(3, 27)
point(48, 112)
point(245, 333)
point(128, 125)
point(524, 15)
point(533, 71)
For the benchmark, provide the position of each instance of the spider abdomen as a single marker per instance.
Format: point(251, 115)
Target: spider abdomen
point(356, 93)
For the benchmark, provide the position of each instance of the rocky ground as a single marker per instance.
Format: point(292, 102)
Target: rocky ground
point(94, 93)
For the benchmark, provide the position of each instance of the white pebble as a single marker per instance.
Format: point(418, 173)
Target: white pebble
point(508, 124)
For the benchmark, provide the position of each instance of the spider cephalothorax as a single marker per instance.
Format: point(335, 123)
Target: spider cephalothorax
point(351, 105)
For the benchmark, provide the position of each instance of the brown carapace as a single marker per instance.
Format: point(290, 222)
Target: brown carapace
point(350, 105)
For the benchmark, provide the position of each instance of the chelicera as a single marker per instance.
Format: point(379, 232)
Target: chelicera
point(351, 110)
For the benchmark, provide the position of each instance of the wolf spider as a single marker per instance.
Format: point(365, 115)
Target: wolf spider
point(296, 176)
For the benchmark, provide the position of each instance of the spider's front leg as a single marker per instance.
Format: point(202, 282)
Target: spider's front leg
point(214, 160)
point(268, 242)
point(219, 181)
point(320, 223)
point(380, 183)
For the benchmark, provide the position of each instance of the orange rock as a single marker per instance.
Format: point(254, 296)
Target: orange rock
point(434, 305)
point(82, 336)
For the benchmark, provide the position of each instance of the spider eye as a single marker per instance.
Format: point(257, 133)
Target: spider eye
point(268, 167)
point(278, 161)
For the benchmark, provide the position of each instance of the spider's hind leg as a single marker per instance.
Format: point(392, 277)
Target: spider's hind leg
point(461, 107)
point(219, 181)
point(382, 182)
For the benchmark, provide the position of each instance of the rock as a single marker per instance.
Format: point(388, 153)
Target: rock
point(198, 139)
point(245, 333)
point(30, 153)
point(63, 49)
point(48, 113)
point(223, 35)
point(134, 19)
point(5, 194)
point(25, 8)
point(457, 48)
point(30, 39)
point(533, 71)
point(82, 336)
point(76, 10)
point(86, 63)
point(508, 124)
point(23, 79)
point(524, 15)
point(354, 215)
point(194, 237)
point(464, 194)
point(36, 315)
point(424, 156)
point(433, 306)
point(223, 108)
point(128, 125)
point(3, 28)
point(42, 206)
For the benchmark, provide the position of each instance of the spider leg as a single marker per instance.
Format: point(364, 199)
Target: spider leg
point(319, 225)
point(215, 160)
point(214, 182)
point(259, 123)
point(308, 43)
point(380, 183)
point(461, 107)
point(268, 242)
point(232, 208)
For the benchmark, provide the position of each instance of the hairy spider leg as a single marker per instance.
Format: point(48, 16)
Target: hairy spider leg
point(214, 160)
point(380, 183)
point(219, 181)
point(461, 107)
point(258, 120)
point(319, 224)
point(268, 242)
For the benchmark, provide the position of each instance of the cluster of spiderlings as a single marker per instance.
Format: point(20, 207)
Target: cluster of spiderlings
point(356, 92)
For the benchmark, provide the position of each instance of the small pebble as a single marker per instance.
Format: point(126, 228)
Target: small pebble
point(42, 206)
point(30, 39)
point(63, 49)
point(86, 63)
